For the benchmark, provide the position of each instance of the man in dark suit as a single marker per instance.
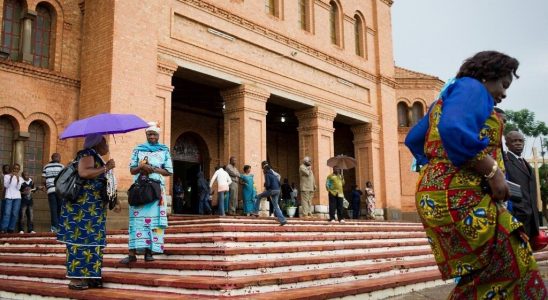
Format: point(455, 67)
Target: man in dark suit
point(520, 172)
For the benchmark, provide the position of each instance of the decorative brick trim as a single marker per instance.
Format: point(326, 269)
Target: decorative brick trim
point(44, 74)
point(316, 113)
point(388, 2)
point(290, 42)
point(388, 81)
point(322, 4)
point(167, 67)
point(245, 91)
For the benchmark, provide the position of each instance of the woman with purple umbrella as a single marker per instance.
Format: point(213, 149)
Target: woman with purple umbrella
point(82, 223)
point(148, 222)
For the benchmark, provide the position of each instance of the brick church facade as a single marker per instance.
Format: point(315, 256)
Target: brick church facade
point(256, 79)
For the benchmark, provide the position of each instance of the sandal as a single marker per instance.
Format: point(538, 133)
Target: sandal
point(96, 283)
point(128, 259)
point(82, 285)
point(148, 255)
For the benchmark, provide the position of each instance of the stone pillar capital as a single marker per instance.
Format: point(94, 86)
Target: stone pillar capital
point(166, 67)
point(317, 112)
point(245, 97)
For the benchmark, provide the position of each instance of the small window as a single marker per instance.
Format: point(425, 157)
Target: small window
point(274, 8)
point(403, 115)
point(417, 112)
point(34, 150)
point(7, 132)
point(11, 28)
point(42, 36)
point(335, 24)
point(305, 15)
point(359, 35)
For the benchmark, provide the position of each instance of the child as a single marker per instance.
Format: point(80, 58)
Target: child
point(26, 214)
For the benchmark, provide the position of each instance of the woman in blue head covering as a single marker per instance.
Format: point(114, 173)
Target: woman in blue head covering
point(148, 222)
point(462, 184)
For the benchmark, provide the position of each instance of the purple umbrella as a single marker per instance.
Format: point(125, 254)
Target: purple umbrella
point(104, 124)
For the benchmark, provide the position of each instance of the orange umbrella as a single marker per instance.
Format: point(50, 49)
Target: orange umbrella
point(342, 161)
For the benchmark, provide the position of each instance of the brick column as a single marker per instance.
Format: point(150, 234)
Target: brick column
point(245, 128)
point(367, 151)
point(316, 141)
point(163, 97)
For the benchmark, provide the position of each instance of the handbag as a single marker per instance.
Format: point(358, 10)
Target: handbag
point(143, 191)
point(346, 204)
point(68, 183)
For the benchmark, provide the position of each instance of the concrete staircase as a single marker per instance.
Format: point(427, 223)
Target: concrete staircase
point(237, 258)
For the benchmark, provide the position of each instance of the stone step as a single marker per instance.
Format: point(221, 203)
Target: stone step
point(239, 253)
point(228, 268)
point(369, 288)
point(203, 238)
point(212, 285)
point(23, 289)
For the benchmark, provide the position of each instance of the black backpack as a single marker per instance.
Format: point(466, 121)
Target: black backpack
point(68, 183)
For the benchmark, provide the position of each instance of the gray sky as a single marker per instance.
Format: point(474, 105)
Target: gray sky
point(435, 36)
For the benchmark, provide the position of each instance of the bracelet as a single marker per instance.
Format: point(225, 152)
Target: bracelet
point(494, 170)
point(105, 167)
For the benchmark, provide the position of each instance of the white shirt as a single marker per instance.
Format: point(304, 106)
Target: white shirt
point(223, 180)
point(13, 187)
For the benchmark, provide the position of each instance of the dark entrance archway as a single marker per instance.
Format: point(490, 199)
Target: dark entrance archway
point(190, 155)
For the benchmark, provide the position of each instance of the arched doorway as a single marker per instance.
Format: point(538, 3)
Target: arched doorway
point(190, 155)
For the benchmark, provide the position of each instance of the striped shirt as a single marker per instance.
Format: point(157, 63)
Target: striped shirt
point(49, 173)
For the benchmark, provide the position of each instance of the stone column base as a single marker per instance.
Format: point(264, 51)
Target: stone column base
point(392, 213)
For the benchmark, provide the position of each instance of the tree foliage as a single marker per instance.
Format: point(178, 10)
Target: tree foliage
point(524, 121)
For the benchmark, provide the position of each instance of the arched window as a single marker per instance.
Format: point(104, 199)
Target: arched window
point(403, 115)
point(11, 28)
point(305, 14)
point(273, 7)
point(417, 112)
point(42, 36)
point(335, 25)
point(6, 140)
point(359, 35)
point(34, 150)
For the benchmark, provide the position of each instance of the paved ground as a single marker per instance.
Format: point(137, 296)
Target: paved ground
point(442, 292)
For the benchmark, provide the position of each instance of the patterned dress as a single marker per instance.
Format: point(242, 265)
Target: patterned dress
point(370, 201)
point(148, 222)
point(471, 236)
point(82, 226)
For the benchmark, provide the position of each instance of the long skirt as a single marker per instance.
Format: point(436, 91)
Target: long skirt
point(476, 239)
point(147, 224)
point(84, 261)
point(82, 227)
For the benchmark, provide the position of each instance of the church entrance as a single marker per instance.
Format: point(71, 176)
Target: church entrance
point(190, 156)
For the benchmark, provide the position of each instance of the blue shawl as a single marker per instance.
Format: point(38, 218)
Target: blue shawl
point(148, 147)
point(466, 106)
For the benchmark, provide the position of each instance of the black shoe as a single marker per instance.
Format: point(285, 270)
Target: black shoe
point(78, 286)
point(148, 255)
point(283, 223)
point(128, 259)
point(95, 283)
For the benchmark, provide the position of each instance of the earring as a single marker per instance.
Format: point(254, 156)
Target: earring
point(483, 80)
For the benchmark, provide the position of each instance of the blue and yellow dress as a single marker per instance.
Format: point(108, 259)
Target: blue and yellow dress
point(148, 222)
point(471, 236)
point(82, 226)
